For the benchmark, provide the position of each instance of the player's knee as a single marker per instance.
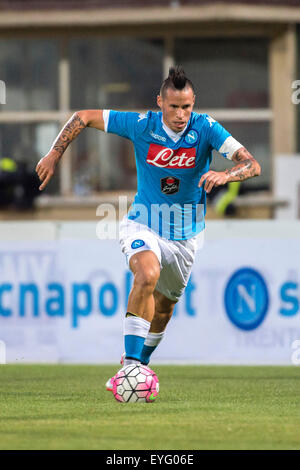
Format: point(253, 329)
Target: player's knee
point(146, 279)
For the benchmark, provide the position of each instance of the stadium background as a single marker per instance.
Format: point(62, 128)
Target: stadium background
point(62, 291)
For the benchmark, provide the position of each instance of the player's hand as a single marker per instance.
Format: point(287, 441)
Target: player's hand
point(213, 179)
point(45, 168)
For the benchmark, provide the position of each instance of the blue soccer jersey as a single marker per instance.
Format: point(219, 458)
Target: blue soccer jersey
point(169, 167)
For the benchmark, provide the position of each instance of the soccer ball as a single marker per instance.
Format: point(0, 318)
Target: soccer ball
point(135, 383)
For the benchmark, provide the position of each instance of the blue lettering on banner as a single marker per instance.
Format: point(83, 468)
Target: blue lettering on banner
point(83, 310)
point(32, 299)
point(190, 310)
point(5, 312)
point(108, 288)
point(55, 306)
point(29, 289)
point(246, 299)
point(289, 299)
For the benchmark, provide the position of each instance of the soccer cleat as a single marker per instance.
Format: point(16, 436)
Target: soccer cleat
point(122, 359)
point(110, 382)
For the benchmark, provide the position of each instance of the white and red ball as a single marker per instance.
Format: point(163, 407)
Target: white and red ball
point(135, 383)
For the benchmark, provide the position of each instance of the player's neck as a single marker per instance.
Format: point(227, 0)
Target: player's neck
point(172, 134)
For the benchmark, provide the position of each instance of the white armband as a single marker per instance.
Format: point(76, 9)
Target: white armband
point(229, 147)
point(105, 113)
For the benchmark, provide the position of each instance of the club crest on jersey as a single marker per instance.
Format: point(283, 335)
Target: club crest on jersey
point(137, 244)
point(191, 137)
point(164, 157)
point(169, 185)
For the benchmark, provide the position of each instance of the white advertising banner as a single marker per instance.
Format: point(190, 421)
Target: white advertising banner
point(63, 299)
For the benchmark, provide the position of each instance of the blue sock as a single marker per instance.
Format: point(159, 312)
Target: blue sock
point(135, 332)
point(134, 346)
point(146, 353)
point(151, 343)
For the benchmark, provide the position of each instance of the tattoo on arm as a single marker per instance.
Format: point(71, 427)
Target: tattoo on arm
point(71, 130)
point(246, 166)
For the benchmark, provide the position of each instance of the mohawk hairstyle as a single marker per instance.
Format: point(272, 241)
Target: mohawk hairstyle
point(177, 80)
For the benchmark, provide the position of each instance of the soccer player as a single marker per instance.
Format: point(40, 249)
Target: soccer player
point(173, 151)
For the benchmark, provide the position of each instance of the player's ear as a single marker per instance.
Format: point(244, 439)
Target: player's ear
point(159, 101)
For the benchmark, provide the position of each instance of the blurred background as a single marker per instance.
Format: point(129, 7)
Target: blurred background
point(57, 57)
point(63, 292)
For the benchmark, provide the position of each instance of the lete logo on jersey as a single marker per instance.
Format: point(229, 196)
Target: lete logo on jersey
point(164, 157)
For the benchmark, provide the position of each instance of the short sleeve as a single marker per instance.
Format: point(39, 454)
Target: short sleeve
point(220, 139)
point(122, 123)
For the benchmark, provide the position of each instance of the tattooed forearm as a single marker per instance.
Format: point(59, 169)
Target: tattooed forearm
point(72, 128)
point(246, 167)
point(242, 171)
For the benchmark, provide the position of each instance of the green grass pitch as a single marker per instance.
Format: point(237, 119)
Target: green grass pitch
point(199, 407)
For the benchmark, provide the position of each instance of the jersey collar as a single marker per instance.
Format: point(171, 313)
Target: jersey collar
point(175, 136)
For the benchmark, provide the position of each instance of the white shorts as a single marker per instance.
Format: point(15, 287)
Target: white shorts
point(176, 258)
